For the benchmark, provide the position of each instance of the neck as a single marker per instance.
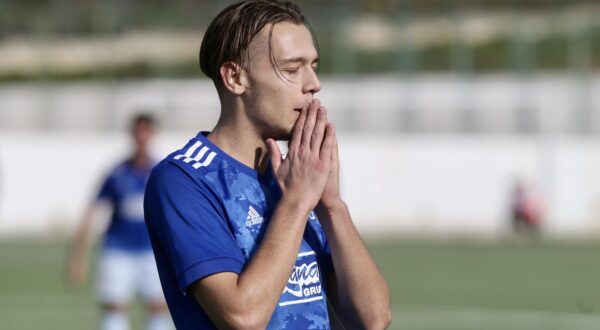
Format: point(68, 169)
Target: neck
point(140, 159)
point(239, 139)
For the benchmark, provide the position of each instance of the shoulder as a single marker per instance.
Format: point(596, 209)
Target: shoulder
point(166, 174)
point(195, 159)
point(171, 187)
point(196, 156)
point(185, 169)
point(114, 174)
point(117, 170)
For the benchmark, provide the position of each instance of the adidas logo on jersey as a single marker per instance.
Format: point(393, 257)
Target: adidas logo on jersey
point(253, 217)
point(197, 163)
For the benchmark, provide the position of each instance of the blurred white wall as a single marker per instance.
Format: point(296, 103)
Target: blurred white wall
point(450, 185)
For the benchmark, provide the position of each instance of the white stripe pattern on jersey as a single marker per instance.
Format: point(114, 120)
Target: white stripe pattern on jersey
point(198, 156)
point(187, 156)
point(190, 151)
point(206, 162)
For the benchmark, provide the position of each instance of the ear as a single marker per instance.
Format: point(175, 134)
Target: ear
point(233, 77)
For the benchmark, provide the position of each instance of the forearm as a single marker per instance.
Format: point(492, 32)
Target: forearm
point(270, 268)
point(82, 237)
point(78, 250)
point(362, 292)
point(261, 283)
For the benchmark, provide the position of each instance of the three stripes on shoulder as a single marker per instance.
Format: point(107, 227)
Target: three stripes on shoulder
point(197, 158)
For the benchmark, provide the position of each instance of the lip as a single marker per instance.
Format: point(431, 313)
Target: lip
point(305, 106)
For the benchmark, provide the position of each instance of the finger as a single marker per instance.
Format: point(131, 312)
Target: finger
point(309, 124)
point(319, 131)
point(328, 143)
point(335, 153)
point(294, 143)
point(275, 154)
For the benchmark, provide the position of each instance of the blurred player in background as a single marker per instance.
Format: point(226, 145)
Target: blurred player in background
point(126, 263)
point(237, 243)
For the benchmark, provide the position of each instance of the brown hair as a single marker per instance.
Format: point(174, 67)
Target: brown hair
point(141, 119)
point(229, 35)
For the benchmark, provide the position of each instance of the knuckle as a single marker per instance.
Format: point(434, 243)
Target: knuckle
point(302, 153)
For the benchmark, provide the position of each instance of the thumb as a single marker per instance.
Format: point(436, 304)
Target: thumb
point(275, 154)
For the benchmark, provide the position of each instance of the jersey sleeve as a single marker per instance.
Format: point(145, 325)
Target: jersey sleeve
point(186, 220)
point(107, 191)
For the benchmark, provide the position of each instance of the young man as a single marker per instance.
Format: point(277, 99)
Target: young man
point(126, 264)
point(232, 225)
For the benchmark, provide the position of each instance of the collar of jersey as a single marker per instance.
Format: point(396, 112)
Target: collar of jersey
point(128, 164)
point(202, 137)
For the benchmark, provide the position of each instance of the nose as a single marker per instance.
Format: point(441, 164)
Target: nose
point(312, 84)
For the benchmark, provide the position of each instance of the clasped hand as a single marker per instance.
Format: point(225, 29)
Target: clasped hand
point(309, 174)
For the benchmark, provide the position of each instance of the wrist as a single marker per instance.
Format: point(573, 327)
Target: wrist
point(332, 206)
point(332, 210)
point(295, 204)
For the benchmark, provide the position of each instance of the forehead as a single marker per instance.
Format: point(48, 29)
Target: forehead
point(288, 40)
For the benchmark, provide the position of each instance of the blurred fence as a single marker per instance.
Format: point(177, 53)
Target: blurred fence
point(545, 104)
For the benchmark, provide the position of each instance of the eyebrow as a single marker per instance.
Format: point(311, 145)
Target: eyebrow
point(297, 60)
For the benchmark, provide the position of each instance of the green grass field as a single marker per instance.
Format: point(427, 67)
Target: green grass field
point(449, 286)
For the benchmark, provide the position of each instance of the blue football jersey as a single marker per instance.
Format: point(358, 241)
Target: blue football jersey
point(124, 190)
point(207, 213)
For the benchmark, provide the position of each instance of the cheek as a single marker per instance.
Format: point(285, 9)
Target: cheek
point(275, 99)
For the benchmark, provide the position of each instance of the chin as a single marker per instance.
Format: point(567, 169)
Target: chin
point(284, 134)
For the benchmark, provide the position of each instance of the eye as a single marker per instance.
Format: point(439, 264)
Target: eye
point(291, 70)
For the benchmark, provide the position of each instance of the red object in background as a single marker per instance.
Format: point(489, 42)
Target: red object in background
point(527, 207)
